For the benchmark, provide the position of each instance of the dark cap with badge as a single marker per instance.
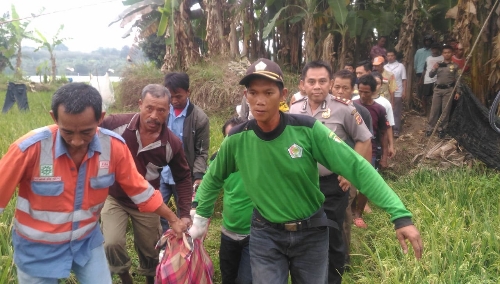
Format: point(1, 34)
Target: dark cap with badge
point(263, 68)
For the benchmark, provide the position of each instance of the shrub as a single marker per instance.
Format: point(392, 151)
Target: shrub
point(134, 78)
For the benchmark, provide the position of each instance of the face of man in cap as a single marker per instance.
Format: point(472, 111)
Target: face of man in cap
point(263, 81)
point(316, 84)
point(264, 97)
point(378, 64)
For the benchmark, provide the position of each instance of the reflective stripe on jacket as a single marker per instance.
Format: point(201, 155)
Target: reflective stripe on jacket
point(58, 203)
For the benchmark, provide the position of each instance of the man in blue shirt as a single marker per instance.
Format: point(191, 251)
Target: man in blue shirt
point(191, 125)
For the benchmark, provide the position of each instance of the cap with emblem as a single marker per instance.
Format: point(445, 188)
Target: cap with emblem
point(378, 60)
point(263, 68)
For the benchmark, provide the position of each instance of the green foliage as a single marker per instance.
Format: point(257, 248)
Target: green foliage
point(96, 62)
point(154, 49)
point(134, 78)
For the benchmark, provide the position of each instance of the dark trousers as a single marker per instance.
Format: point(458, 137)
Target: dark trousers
point(234, 257)
point(335, 206)
point(15, 93)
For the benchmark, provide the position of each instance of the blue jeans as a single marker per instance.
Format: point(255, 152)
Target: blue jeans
point(234, 257)
point(167, 190)
point(274, 253)
point(95, 271)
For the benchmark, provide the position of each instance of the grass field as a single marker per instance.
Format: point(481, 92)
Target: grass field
point(457, 212)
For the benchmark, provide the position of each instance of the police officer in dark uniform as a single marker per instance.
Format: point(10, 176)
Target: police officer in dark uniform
point(447, 74)
point(339, 115)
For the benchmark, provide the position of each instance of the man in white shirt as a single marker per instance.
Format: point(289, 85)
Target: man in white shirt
point(427, 89)
point(399, 72)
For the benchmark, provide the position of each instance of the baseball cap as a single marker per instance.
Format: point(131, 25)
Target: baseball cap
point(263, 68)
point(378, 60)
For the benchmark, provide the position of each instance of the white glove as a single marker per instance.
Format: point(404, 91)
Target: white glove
point(199, 227)
point(192, 212)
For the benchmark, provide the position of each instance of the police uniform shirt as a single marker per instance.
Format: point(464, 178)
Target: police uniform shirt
point(340, 116)
point(446, 75)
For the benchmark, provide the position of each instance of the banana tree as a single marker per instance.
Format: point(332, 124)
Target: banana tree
point(50, 47)
point(340, 13)
point(18, 31)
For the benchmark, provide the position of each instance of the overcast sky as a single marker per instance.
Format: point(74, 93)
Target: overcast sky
point(86, 22)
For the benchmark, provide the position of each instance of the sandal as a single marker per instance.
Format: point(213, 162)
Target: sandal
point(360, 223)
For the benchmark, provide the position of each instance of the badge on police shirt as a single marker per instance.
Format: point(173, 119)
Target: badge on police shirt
point(326, 113)
point(452, 67)
point(358, 118)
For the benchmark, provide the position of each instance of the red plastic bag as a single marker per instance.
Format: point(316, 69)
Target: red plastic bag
point(185, 261)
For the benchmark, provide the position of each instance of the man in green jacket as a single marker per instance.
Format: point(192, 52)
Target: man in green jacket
point(277, 155)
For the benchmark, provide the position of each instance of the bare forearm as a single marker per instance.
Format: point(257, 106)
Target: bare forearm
point(166, 213)
point(364, 148)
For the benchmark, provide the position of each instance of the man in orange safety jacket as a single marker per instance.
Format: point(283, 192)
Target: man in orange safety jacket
point(63, 172)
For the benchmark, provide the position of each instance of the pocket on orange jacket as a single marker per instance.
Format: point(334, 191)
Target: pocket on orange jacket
point(47, 188)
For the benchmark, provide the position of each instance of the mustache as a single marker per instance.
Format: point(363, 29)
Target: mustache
point(156, 122)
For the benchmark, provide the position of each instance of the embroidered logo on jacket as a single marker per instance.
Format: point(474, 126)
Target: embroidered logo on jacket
point(295, 151)
point(46, 170)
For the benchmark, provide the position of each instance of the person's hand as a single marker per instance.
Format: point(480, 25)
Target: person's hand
point(436, 66)
point(411, 234)
point(344, 184)
point(187, 221)
point(199, 227)
point(391, 152)
point(197, 183)
point(178, 226)
point(457, 96)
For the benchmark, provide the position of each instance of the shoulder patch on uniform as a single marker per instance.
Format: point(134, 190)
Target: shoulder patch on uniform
point(358, 119)
point(341, 100)
point(111, 133)
point(40, 134)
point(354, 111)
point(301, 100)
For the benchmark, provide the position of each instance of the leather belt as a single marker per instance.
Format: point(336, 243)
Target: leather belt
point(445, 86)
point(318, 219)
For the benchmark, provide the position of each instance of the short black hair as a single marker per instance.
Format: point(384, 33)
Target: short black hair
point(345, 74)
point(368, 80)
point(392, 51)
point(233, 121)
point(367, 64)
point(316, 64)
point(449, 47)
point(76, 97)
point(436, 45)
point(349, 63)
point(177, 80)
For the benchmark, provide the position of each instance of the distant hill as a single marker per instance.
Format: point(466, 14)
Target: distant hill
point(96, 62)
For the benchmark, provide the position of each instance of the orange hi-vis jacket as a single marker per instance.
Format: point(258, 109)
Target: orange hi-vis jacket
point(58, 205)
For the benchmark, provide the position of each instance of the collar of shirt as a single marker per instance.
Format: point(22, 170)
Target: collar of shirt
point(183, 113)
point(61, 147)
point(134, 126)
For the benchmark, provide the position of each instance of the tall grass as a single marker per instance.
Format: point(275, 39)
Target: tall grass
point(456, 211)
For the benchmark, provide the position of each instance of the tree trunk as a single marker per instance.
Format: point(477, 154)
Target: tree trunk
point(217, 44)
point(53, 62)
point(18, 74)
point(186, 51)
point(309, 39)
point(327, 54)
point(234, 50)
point(406, 45)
